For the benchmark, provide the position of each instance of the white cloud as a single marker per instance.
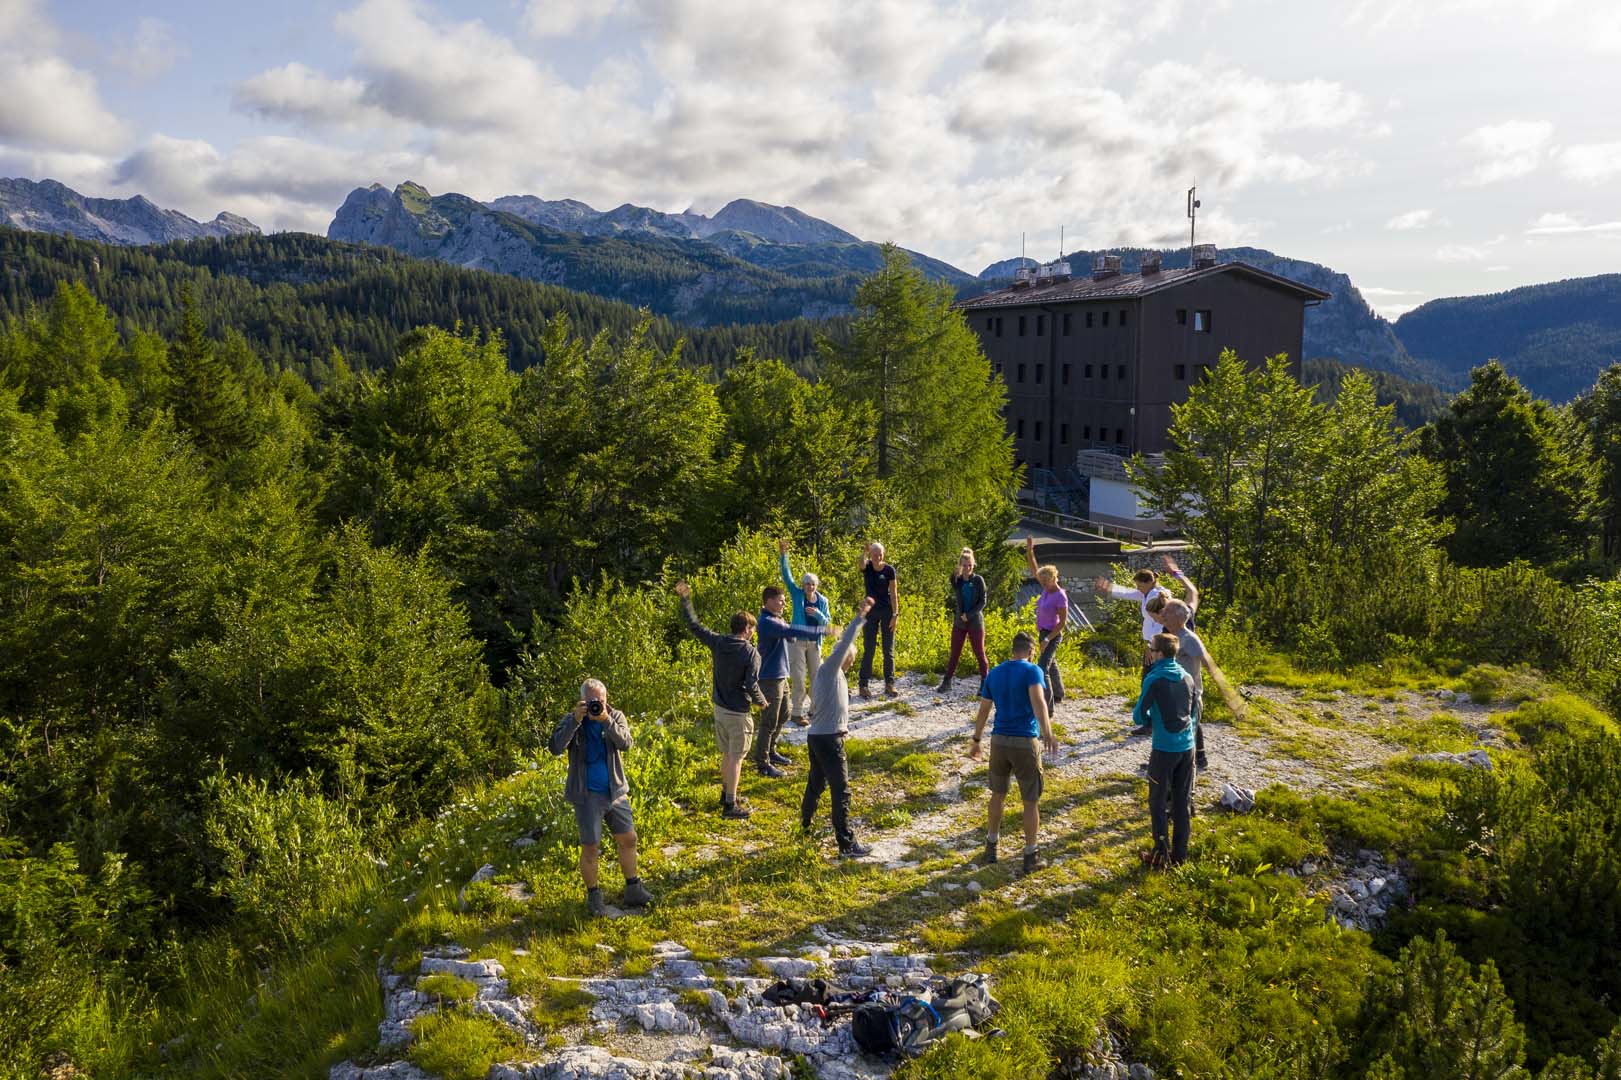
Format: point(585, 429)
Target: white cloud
point(1466, 253)
point(1508, 150)
point(1412, 219)
point(559, 18)
point(1592, 163)
point(152, 51)
point(1556, 224)
point(45, 102)
point(299, 95)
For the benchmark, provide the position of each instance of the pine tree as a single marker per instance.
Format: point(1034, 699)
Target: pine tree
point(206, 396)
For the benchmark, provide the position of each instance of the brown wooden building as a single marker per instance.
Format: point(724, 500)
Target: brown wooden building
point(1096, 362)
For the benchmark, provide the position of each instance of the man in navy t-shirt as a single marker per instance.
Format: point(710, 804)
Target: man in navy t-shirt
point(1017, 691)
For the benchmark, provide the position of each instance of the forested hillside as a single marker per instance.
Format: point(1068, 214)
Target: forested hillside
point(1417, 403)
point(1554, 338)
point(296, 298)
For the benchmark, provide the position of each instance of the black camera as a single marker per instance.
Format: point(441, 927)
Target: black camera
point(594, 707)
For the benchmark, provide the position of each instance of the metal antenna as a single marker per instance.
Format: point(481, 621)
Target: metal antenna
point(1021, 249)
point(1060, 241)
point(1193, 217)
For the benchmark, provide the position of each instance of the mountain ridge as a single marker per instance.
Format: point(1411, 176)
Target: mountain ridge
point(53, 207)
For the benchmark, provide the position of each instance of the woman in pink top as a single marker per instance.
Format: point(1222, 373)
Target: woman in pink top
point(1052, 615)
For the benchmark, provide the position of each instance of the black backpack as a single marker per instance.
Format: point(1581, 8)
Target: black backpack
point(910, 1025)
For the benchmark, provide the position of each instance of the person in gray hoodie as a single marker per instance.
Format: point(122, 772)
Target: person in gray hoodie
point(736, 687)
point(830, 722)
point(594, 736)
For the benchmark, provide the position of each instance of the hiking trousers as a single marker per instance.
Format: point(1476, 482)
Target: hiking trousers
point(973, 632)
point(829, 768)
point(1170, 794)
point(804, 661)
point(771, 719)
point(877, 624)
point(1048, 663)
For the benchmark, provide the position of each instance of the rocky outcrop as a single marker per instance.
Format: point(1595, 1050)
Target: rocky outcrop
point(52, 207)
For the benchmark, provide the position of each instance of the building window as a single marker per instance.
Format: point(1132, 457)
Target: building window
point(1021, 427)
point(1120, 436)
point(1038, 430)
point(1089, 320)
point(1181, 372)
point(1122, 316)
point(1063, 434)
point(1040, 370)
point(1063, 376)
point(1105, 318)
point(1066, 324)
point(1021, 326)
point(1021, 373)
point(1088, 371)
point(1181, 316)
point(990, 325)
point(1201, 322)
point(1120, 371)
point(1041, 325)
point(999, 326)
point(1086, 432)
point(998, 369)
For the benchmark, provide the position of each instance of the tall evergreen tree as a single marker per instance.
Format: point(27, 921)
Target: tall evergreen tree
point(206, 395)
point(1599, 411)
point(1515, 489)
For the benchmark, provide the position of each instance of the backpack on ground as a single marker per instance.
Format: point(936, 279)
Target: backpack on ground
point(910, 1025)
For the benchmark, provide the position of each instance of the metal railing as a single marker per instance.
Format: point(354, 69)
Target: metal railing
point(1102, 528)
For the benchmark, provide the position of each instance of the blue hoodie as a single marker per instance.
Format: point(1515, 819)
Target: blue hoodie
point(1169, 703)
point(773, 634)
point(819, 613)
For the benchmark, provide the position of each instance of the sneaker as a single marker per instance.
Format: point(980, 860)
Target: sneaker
point(889, 688)
point(856, 850)
point(1201, 762)
point(595, 904)
point(767, 769)
point(636, 894)
point(780, 759)
point(1032, 860)
point(944, 687)
point(800, 721)
point(736, 810)
point(990, 854)
point(1139, 732)
point(1143, 768)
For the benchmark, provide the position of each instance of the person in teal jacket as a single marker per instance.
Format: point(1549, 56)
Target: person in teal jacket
point(1169, 705)
point(804, 657)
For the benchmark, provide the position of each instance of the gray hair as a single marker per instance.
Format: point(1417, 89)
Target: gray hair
point(593, 684)
point(810, 580)
point(1178, 606)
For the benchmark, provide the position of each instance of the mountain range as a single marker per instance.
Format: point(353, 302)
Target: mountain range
point(48, 206)
point(755, 263)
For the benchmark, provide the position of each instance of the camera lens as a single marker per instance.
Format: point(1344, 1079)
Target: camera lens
point(593, 707)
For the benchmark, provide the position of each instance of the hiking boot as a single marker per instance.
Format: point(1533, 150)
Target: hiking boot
point(1031, 861)
point(595, 904)
point(944, 687)
point(1156, 859)
point(636, 894)
point(856, 850)
point(780, 759)
point(889, 688)
point(737, 811)
point(800, 721)
point(765, 768)
point(1201, 762)
point(1139, 732)
point(990, 853)
point(1143, 768)
point(864, 693)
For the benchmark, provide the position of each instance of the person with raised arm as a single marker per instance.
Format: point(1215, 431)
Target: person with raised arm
point(775, 634)
point(595, 735)
point(810, 608)
point(1193, 657)
point(878, 578)
point(830, 723)
point(735, 686)
point(1052, 617)
point(968, 617)
point(1146, 588)
point(1170, 708)
point(1014, 688)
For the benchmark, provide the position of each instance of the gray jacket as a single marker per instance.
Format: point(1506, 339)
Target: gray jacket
point(736, 663)
point(830, 690)
point(615, 738)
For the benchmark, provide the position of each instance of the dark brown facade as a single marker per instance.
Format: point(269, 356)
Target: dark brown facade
point(1096, 363)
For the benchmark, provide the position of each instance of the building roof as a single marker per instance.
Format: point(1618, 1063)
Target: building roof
point(1127, 286)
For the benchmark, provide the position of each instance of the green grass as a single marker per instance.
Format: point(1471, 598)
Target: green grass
point(461, 1047)
point(448, 989)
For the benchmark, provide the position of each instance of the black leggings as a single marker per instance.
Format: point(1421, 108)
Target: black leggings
point(828, 768)
point(877, 622)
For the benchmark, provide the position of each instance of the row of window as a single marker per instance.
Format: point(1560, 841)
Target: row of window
point(993, 323)
point(1179, 371)
point(1086, 433)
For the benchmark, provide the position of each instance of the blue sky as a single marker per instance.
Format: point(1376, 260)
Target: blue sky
point(1442, 148)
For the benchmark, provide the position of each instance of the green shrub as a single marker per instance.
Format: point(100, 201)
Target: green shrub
point(1486, 683)
point(457, 1046)
point(447, 988)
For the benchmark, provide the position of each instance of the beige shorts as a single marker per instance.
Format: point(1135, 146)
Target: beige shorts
point(734, 731)
point(1015, 757)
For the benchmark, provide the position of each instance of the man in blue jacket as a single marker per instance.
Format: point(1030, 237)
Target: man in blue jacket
point(1169, 705)
point(775, 635)
point(804, 657)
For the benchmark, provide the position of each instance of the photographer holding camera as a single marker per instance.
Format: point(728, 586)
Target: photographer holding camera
point(594, 736)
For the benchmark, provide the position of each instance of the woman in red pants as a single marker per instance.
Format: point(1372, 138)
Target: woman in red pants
point(968, 601)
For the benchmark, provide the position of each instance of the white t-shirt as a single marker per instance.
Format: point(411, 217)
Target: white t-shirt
point(1150, 626)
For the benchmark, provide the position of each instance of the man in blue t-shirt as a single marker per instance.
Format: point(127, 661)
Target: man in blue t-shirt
point(1017, 690)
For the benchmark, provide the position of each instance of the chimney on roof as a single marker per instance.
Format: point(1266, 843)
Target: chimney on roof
point(1105, 266)
point(1022, 277)
point(1151, 263)
point(1060, 270)
point(1203, 256)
